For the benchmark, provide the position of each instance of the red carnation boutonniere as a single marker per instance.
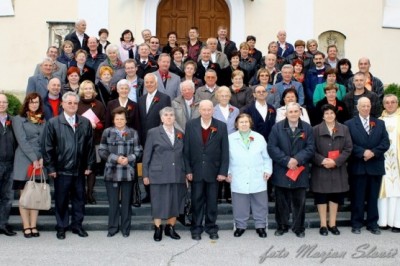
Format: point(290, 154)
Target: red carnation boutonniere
point(302, 135)
point(213, 129)
point(75, 125)
point(273, 90)
point(231, 109)
point(113, 88)
point(237, 90)
point(196, 82)
point(251, 138)
point(213, 66)
point(340, 108)
point(129, 107)
point(334, 130)
point(8, 123)
point(93, 104)
point(372, 124)
point(149, 63)
point(85, 70)
point(271, 111)
point(124, 134)
point(179, 135)
point(41, 121)
point(156, 100)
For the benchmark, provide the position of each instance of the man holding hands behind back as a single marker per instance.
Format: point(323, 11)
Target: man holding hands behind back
point(206, 154)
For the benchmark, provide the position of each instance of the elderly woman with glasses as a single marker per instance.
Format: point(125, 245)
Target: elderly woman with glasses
point(263, 78)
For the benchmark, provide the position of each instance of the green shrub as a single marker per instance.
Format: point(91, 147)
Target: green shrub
point(14, 104)
point(393, 89)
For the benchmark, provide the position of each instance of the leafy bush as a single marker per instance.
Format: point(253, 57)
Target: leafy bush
point(14, 104)
point(393, 89)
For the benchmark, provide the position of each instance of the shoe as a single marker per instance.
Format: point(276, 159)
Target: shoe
point(158, 233)
point(170, 231)
point(35, 234)
point(300, 234)
point(91, 200)
point(356, 231)
point(374, 231)
point(239, 232)
point(80, 232)
point(261, 232)
point(125, 235)
point(384, 227)
point(395, 230)
point(323, 231)
point(214, 236)
point(334, 230)
point(111, 234)
point(229, 200)
point(61, 234)
point(27, 235)
point(146, 199)
point(281, 230)
point(137, 204)
point(7, 231)
point(196, 236)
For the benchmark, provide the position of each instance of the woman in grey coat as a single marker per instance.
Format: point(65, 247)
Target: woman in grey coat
point(163, 170)
point(329, 179)
point(28, 129)
point(120, 149)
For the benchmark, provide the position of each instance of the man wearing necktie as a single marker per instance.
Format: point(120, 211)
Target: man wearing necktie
point(366, 166)
point(68, 155)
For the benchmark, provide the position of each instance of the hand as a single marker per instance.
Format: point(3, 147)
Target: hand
point(122, 160)
point(292, 164)
point(189, 177)
point(146, 181)
point(229, 178)
point(41, 163)
point(221, 178)
point(88, 172)
point(53, 175)
point(368, 154)
point(266, 176)
point(328, 163)
point(36, 164)
point(94, 125)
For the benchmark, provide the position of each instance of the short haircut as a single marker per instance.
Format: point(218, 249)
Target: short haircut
point(329, 71)
point(73, 69)
point(118, 111)
point(287, 66)
point(222, 89)
point(105, 69)
point(327, 107)
point(65, 43)
point(167, 109)
point(68, 94)
point(81, 51)
point(190, 62)
point(389, 95)
point(299, 43)
point(83, 84)
point(330, 87)
point(148, 75)
point(243, 115)
point(292, 104)
point(237, 73)
point(121, 83)
point(331, 46)
point(112, 48)
point(103, 30)
point(161, 56)
point(263, 70)
point(187, 82)
point(251, 38)
point(130, 60)
point(172, 33)
point(175, 50)
point(125, 32)
point(319, 53)
point(285, 92)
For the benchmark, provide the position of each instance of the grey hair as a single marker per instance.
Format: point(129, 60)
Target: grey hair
point(166, 110)
point(151, 75)
point(123, 82)
point(291, 104)
point(390, 95)
point(163, 55)
point(47, 59)
point(288, 66)
point(112, 48)
point(362, 99)
point(70, 93)
point(77, 22)
point(187, 82)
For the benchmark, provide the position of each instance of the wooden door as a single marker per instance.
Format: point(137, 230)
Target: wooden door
point(180, 15)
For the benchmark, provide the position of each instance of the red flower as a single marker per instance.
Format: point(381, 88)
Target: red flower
point(75, 125)
point(156, 100)
point(237, 90)
point(99, 126)
point(340, 108)
point(124, 134)
point(196, 82)
point(129, 107)
point(372, 124)
point(231, 109)
point(179, 135)
point(212, 66)
point(251, 138)
point(213, 129)
point(8, 123)
point(113, 88)
point(135, 86)
point(271, 111)
point(93, 104)
point(85, 70)
point(303, 135)
point(41, 121)
point(149, 63)
point(273, 90)
point(334, 130)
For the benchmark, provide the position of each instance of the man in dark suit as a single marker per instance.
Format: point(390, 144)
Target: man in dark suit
point(145, 63)
point(366, 165)
point(150, 105)
point(205, 63)
point(206, 155)
point(78, 37)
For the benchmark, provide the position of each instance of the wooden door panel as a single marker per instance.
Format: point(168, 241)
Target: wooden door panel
point(180, 15)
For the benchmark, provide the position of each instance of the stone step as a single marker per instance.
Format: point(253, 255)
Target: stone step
point(225, 222)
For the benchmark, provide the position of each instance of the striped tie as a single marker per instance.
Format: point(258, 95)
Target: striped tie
point(366, 126)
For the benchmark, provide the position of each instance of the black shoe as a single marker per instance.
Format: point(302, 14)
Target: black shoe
point(80, 232)
point(35, 234)
point(146, 199)
point(214, 236)
point(91, 200)
point(384, 227)
point(334, 230)
point(281, 230)
point(239, 232)
point(356, 231)
point(111, 234)
point(300, 234)
point(219, 201)
point(261, 232)
point(7, 231)
point(158, 233)
point(323, 231)
point(374, 231)
point(61, 234)
point(27, 232)
point(229, 200)
point(395, 230)
point(170, 231)
point(196, 236)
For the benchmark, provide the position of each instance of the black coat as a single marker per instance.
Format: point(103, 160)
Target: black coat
point(229, 49)
point(342, 113)
point(132, 111)
point(77, 44)
point(259, 125)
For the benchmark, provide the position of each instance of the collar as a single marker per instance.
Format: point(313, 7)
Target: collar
point(362, 118)
point(152, 94)
point(204, 125)
point(67, 117)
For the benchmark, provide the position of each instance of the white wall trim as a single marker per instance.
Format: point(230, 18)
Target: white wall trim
point(236, 8)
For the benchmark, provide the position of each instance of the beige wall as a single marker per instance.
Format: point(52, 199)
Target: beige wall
point(25, 36)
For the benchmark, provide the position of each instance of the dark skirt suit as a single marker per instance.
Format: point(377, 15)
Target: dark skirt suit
point(132, 113)
point(164, 166)
point(119, 178)
point(331, 182)
point(342, 114)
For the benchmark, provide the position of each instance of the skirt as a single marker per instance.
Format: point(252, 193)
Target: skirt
point(324, 198)
point(167, 200)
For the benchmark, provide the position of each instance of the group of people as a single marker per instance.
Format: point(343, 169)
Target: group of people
point(228, 123)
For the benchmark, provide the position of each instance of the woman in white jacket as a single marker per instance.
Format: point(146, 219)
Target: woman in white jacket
point(249, 169)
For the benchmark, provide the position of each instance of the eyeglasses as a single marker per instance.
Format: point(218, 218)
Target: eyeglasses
point(72, 103)
point(266, 76)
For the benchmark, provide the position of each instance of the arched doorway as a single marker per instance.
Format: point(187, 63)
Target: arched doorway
point(180, 15)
